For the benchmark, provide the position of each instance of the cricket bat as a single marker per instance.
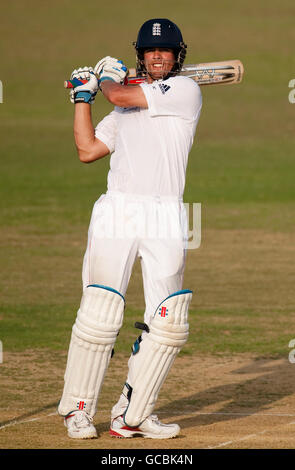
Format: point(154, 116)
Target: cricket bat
point(207, 73)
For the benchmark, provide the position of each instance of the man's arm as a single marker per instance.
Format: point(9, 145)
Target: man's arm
point(111, 73)
point(123, 96)
point(89, 148)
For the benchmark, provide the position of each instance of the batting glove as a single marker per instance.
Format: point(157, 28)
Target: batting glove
point(110, 68)
point(84, 93)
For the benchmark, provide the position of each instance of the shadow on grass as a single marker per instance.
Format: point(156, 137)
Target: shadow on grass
point(239, 399)
point(274, 381)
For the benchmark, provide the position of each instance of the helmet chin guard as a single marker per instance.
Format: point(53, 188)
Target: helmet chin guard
point(160, 33)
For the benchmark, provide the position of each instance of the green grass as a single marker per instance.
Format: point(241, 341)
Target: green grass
point(242, 172)
point(241, 169)
point(211, 331)
point(245, 331)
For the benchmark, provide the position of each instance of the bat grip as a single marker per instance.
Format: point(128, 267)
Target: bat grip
point(78, 81)
point(74, 82)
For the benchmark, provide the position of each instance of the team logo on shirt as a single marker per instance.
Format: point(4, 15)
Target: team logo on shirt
point(164, 88)
point(156, 29)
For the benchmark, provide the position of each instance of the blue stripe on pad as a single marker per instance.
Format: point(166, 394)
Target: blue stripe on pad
point(107, 288)
point(179, 292)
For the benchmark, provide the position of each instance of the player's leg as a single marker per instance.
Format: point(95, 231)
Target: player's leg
point(153, 356)
point(162, 272)
point(109, 256)
point(154, 351)
point(94, 333)
point(106, 269)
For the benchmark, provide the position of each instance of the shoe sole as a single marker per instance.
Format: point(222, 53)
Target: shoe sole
point(82, 437)
point(139, 434)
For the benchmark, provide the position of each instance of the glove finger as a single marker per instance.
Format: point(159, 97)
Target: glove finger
point(74, 74)
point(93, 80)
point(87, 70)
point(84, 73)
point(112, 61)
point(100, 64)
point(79, 73)
point(115, 68)
point(116, 64)
point(72, 95)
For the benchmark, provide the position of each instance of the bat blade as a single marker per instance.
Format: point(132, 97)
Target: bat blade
point(207, 73)
point(214, 73)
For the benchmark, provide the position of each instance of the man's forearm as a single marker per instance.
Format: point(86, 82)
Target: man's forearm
point(122, 95)
point(89, 148)
point(112, 91)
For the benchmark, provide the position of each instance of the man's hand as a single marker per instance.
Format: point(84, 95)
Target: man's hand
point(110, 68)
point(84, 93)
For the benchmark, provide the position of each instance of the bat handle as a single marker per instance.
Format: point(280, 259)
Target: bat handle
point(78, 82)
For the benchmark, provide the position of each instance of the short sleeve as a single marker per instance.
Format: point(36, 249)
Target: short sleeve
point(176, 96)
point(106, 131)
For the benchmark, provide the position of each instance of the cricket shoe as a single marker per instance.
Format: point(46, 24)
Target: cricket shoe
point(79, 425)
point(150, 428)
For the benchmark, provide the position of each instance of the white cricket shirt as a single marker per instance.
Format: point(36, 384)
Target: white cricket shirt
point(149, 147)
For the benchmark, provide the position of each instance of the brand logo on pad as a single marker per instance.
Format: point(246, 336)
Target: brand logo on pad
point(81, 405)
point(163, 311)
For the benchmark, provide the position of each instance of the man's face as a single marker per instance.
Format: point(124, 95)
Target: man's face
point(158, 62)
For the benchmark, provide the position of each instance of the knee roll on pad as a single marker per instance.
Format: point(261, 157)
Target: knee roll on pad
point(154, 356)
point(94, 333)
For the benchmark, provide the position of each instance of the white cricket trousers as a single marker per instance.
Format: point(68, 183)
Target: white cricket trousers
point(126, 226)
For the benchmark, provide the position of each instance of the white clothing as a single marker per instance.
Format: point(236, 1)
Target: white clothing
point(153, 229)
point(147, 169)
point(150, 146)
point(142, 214)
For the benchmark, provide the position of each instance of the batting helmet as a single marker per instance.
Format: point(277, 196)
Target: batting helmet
point(162, 33)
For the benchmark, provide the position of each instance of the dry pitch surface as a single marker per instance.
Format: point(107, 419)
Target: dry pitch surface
point(219, 402)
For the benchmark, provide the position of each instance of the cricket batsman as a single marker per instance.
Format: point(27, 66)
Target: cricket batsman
point(149, 134)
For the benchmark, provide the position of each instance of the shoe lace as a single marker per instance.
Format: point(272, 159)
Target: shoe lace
point(82, 420)
point(154, 418)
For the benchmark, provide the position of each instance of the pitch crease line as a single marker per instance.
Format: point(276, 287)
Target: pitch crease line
point(223, 444)
point(247, 414)
point(290, 415)
point(14, 423)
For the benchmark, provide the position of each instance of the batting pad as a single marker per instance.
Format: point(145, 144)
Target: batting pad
point(152, 360)
point(94, 333)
